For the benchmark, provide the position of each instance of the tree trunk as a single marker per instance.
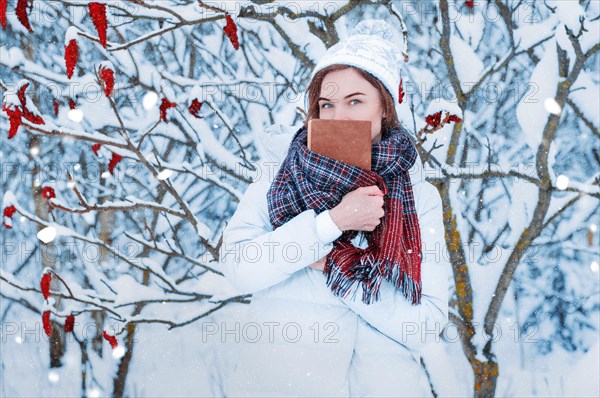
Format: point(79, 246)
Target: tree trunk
point(106, 220)
point(121, 378)
point(48, 260)
point(486, 377)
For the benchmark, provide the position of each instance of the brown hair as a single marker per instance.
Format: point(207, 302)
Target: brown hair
point(314, 90)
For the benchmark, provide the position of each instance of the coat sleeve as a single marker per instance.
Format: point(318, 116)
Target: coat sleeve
point(253, 256)
point(415, 326)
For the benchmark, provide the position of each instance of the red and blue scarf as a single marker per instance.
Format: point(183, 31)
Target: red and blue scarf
point(308, 180)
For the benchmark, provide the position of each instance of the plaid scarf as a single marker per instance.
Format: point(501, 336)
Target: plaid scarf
point(308, 180)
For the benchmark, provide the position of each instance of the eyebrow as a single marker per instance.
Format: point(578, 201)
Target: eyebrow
point(348, 96)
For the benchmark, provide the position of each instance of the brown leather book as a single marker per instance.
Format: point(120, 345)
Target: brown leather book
point(348, 141)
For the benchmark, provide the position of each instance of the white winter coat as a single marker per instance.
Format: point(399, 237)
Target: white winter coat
point(298, 338)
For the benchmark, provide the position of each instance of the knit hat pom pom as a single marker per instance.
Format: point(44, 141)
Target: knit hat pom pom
point(374, 27)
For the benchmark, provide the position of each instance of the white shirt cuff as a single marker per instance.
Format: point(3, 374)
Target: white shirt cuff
point(327, 230)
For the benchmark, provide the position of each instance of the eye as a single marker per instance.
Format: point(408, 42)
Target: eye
point(358, 101)
point(323, 106)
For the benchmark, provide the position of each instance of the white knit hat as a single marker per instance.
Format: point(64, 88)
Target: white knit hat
point(373, 47)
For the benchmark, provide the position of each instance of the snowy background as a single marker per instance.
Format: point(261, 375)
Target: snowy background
point(120, 193)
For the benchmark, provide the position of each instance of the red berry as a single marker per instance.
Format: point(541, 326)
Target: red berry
point(230, 30)
point(69, 323)
point(98, 14)
point(45, 284)
point(48, 193)
point(194, 108)
point(21, 11)
point(164, 105)
point(116, 158)
point(71, 57)
point(46, 322)
point(112, 340)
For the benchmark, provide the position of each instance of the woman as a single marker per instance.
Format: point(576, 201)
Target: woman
point(312, 234)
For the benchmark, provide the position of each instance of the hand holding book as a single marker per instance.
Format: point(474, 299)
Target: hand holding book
point(359, 210)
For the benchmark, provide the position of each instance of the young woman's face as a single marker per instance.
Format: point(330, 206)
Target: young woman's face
point(346, 95)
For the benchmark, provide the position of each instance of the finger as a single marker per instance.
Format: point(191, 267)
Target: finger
point(372, 190)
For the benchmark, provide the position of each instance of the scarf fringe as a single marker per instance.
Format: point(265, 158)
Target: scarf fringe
point(369, 275)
